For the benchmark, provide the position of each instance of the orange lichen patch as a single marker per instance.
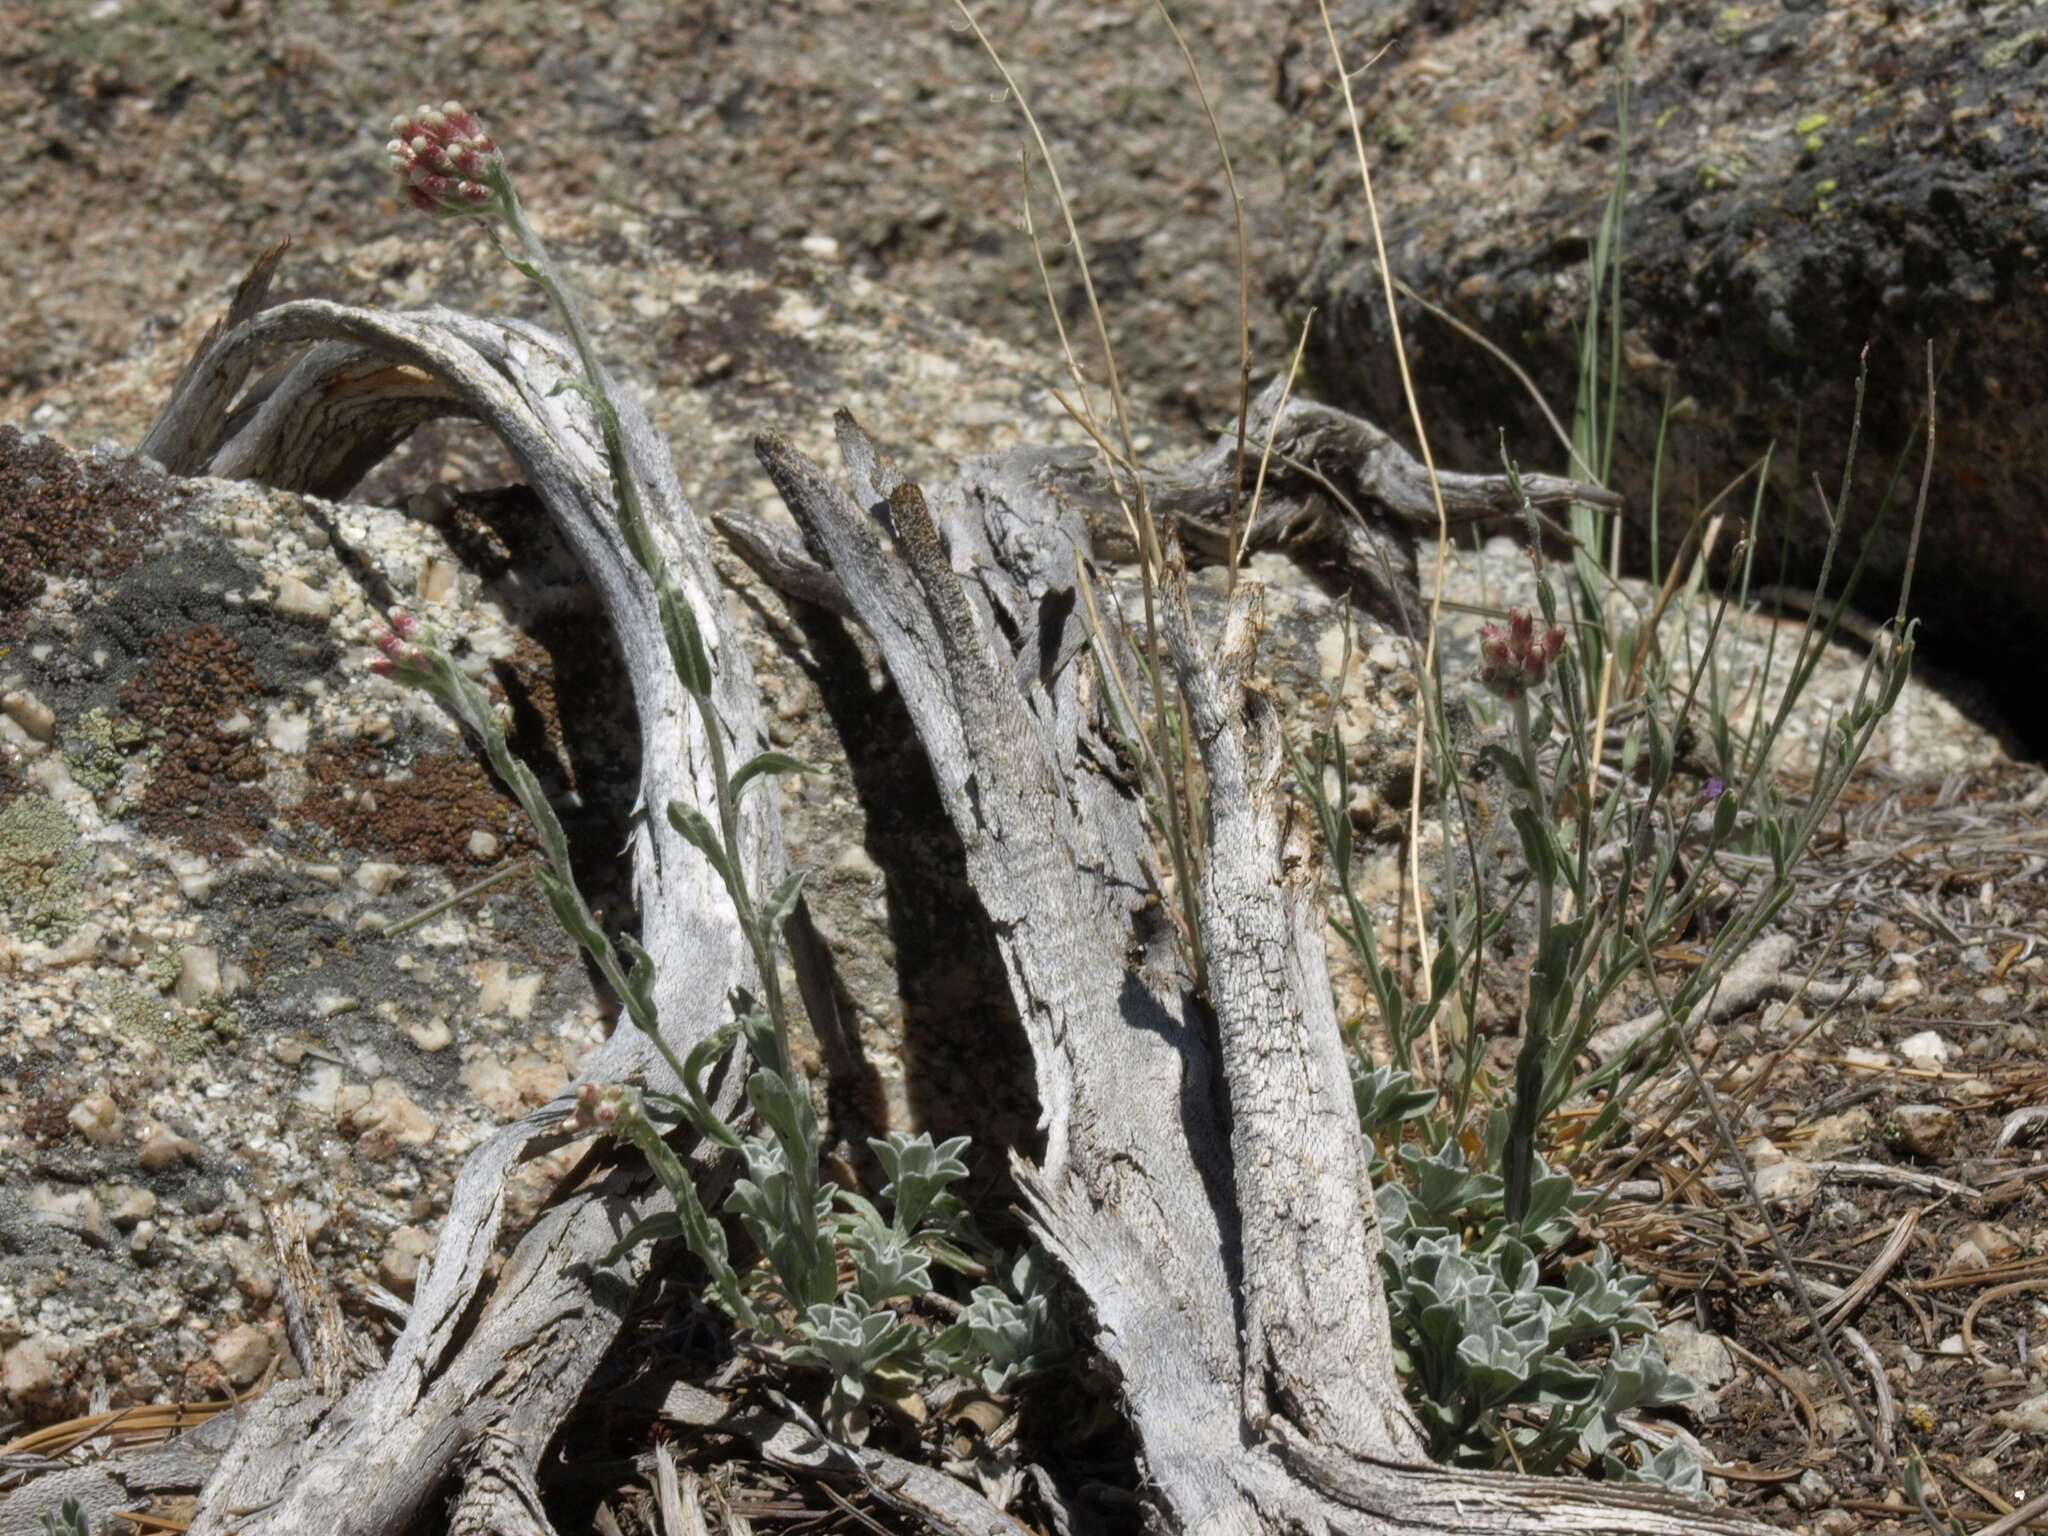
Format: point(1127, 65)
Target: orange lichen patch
point(202, 791)
point(426, 814)
point(61, 515)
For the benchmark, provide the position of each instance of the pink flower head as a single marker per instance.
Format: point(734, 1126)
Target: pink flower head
point(400, 656)
point(610, 1107)
point(444, 160)
point(1513, 660)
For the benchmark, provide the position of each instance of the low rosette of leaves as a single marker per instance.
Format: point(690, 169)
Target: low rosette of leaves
point(1504, 1368)
point(1010, 1331)
point(1387, 1097)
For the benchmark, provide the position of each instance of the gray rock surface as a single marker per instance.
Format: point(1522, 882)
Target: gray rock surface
point(159, 143)
point(1805, 180)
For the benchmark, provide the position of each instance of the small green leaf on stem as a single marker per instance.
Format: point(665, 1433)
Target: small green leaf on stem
point(767, 763)
point(697, 830)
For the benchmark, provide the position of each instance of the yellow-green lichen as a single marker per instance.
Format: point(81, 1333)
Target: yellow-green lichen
point(99, 747)
point(220, 1020)
point(150, 1017)
point(166, 964)
point(2011, 48)
point(93, 759)
point(42, 869)
point(182, 1032)
point(1727, 27)
point(1823, 194)
point(1395, 130)
point(1813, 122)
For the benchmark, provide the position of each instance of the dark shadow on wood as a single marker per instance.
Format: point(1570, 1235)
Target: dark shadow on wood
point(967, 1066)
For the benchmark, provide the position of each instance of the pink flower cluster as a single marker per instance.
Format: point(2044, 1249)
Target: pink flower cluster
point(400, 654)
point(444, 159)
point(612, 1107)
point(1513, 660)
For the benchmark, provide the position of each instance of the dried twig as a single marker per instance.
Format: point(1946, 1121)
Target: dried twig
point(1844, 1306)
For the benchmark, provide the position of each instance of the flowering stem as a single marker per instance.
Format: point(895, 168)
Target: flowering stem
point(449, 165)
point(473, 707)
point(1525, 744)
point(1526, 1107)
point(540, 266)
point(688, 657)
point(633, 524)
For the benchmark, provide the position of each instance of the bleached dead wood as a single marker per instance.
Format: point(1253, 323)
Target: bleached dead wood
point(1339, 494)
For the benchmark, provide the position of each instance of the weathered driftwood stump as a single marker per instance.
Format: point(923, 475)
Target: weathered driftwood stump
point(1203, 1181)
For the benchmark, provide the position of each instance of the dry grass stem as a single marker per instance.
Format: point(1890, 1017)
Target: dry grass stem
point(1266, 454)
point(1920, 504)
point(1428, 677)
point(1244, 284)
point(1151, 557)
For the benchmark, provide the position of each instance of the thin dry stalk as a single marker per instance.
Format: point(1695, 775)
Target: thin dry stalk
point(1151, 559)
point(1887, 1415)
point(1600, 707)
point(2019, 1519)
point(1244, 288)
point(1266, 454)
point(1919, 505)
point(1984, 1299)
point(1500, 355)
point(1443, 522)
point(1843, 1307)
point(1704, 517)
point(1086, 414)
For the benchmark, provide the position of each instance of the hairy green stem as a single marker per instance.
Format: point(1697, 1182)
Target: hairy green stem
point(540, 265)
point(1530, 1062)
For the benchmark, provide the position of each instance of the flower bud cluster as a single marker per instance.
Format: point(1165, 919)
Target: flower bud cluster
point(400, 656)
point(1514, 660)
point(444, 159)
point(613, 1108)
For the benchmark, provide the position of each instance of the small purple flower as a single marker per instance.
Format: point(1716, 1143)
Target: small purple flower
point(1514, 660)
point(1713, 790)
point(444, 159)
